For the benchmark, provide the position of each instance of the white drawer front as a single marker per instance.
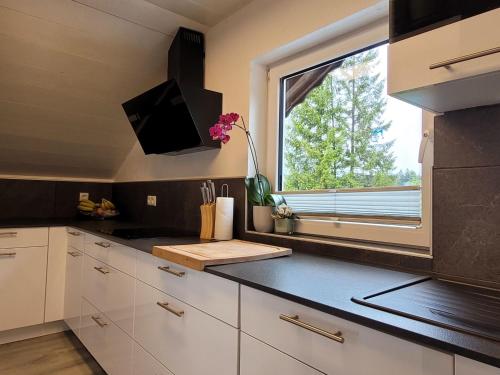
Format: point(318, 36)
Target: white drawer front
point(76, 239)
point(116, 255)
point(259, 358)
point(466, 366)
point(111, 291)
point(73, 289)
point(190, 344)
point(23, 237)
point(214, 295)
point(364, 351)
point(145, 364)
point(22, 286)
point(110, 346)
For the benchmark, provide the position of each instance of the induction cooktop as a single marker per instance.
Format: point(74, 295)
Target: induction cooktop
point(464, 308)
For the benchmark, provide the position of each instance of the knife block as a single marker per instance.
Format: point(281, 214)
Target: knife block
point(207, 221)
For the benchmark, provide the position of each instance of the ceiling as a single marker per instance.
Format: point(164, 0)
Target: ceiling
point(66, 67)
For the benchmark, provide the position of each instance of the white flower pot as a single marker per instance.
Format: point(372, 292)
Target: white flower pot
point(262, 219)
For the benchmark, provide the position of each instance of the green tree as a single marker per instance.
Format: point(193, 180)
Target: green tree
point(334, 137)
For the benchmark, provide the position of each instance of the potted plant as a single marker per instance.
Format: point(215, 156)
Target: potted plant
point(258, 187)
point(283, 219)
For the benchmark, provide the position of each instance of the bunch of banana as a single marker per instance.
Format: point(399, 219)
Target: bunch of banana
point(86, 205)
point(107, 205)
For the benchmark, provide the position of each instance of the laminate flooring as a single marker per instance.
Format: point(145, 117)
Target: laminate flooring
point(56, 354)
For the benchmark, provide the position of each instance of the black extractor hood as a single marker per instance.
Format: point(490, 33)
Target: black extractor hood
point(174, 117)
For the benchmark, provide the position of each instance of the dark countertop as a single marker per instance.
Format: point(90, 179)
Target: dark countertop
point(97, 227)
point(328, 285)
point(320, 282)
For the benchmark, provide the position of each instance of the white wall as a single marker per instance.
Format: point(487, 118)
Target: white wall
point(262, 32)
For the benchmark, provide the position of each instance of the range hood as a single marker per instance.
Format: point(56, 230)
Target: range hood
point(174, 117)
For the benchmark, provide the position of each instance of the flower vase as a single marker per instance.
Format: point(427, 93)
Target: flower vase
point(262, 219)
point(283, 226)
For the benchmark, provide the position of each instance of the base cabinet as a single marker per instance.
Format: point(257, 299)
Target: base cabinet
point(73, 289)
point(145, 364)
point(186, 340)
point(262, 359)
point(22, 286)
point(110, 346)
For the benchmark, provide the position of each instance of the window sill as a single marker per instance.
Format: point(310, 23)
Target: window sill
point(384, 248)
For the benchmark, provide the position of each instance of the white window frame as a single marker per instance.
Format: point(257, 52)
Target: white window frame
point(420, 236)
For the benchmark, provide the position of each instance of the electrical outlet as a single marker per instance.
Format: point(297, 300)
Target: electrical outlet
point(84, 196)
point(151, 201)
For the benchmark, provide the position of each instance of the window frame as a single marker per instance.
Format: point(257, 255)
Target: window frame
point(417, 237)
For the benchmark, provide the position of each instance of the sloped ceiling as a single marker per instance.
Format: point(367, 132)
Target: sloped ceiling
point(65, 68)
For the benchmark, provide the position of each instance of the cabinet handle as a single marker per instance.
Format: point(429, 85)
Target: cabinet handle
point(294, 319)
point(76, 234)
point(103, 244)
point(74, 254)
point(8, 234)
point(11, 254)
point(468, 57)
point(100, 323)
point(166, 306)
point(171, 271)
point(102, 270)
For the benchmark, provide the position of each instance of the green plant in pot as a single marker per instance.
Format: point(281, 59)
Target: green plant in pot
point(258, 187)
point(283, 219)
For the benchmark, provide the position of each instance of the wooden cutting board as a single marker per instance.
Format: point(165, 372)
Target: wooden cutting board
point(198, 256)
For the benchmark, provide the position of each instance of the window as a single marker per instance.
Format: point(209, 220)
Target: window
point(350, 159)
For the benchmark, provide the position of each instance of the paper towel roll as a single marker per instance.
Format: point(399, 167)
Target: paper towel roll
point(224, 218)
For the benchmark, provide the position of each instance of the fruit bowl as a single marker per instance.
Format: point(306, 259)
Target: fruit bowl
point(104, 210)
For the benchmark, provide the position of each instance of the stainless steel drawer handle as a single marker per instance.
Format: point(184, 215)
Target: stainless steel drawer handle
point(98, 321)
point(11, 254)
point(294, 319)
point(103, 244)
point(171, 271)
point(76, 234)
point(102, 270)
point(8, 234)
point(468, 57)
point(167, 307)
point(74, 254)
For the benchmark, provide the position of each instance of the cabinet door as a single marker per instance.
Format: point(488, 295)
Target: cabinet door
point(76, 239)
point(466, 366)
point(56, 274)
point(259, 358)
point(186, 340)
point(278, 322)
point(73, 289)
point(111, 291)
point(22, 286)
point(109, 345)
point(145, 364)
point(114, 254)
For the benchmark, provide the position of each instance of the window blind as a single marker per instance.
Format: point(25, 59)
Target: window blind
point(395, 203)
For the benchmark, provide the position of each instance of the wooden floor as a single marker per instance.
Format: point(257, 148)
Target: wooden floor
point(56, 354)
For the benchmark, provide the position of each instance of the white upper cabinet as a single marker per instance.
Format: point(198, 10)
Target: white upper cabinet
point(452, 67)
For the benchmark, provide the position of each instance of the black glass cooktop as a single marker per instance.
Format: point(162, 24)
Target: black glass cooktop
point(145, 232)
point(459, 307)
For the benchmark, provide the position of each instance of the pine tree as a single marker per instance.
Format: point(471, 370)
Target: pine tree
point(335, 137)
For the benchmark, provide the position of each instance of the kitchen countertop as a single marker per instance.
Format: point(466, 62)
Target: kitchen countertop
point(328, 284)
point(320, 282)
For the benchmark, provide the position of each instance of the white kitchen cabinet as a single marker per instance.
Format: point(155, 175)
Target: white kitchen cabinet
point(56, 274)
point(111, 291)
point(186, 340)
point(22, 283)
point(73, 289)
point(76, 239)
point(144, 363)
point(381, 354)
point(23, 237)
point(114, 254)
point(460, 85)
point(110, 346)
point(212, 294)
point(466, 366)
point(259, 358)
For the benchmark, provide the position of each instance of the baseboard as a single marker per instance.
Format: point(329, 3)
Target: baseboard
point(24, 333)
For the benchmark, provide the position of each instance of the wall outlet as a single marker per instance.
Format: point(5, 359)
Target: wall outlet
point(84, 196)
point(151, 201)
